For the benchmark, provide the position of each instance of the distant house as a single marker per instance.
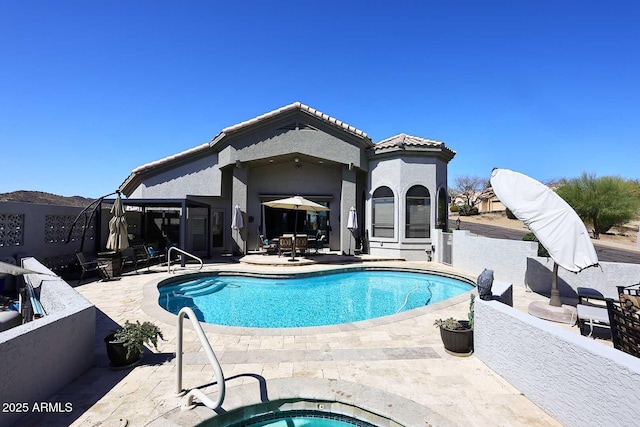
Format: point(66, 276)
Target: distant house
point(398, 186)
point(489, 202)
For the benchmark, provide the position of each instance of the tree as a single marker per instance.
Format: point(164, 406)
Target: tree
point(469, 189)
point(601, 202)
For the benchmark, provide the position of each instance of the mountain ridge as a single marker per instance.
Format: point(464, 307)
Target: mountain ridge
point(43, 198)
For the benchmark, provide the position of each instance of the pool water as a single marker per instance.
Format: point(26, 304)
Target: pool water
point(302, 422)
point(317, 300)
point(302, 418)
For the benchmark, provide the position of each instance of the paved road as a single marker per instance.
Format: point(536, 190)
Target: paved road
point(605, 253)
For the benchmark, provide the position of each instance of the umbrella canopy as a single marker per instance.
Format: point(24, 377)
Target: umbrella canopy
point(297, 203)
point(118, 239)
point(236, 221)
point(556, 225)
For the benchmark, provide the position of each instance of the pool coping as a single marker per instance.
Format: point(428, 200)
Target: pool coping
point(359, 401)
point(151, 307)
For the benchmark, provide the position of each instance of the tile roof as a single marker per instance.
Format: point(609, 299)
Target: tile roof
point(301, 107)
point(403, 140)
point(168, 159)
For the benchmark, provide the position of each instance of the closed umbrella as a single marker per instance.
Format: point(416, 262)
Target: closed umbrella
point(352, 224)
point(237, 222)
point(118, 239)
point(555, 224)
point(296, 203)
point(14, 270)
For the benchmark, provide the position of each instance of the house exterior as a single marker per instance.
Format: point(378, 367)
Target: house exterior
point(397, 186)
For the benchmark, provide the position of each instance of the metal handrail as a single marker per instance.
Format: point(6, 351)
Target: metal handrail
point(177, 249)
point(187, 400)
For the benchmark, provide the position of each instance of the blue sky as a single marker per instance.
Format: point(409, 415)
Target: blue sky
point(92, 89)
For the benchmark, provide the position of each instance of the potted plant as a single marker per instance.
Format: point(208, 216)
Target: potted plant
point(457, 335)
point(126, 344)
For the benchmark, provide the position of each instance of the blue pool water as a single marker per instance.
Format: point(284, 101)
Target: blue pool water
point(301, 418)
point(322, 299)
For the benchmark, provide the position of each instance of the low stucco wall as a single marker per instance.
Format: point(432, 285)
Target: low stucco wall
point(604, 278)
point(577, 380)
point(474, 254)
point(40, 357)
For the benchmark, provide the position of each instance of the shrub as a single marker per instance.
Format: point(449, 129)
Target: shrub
point(542, 251)
point(454, 208)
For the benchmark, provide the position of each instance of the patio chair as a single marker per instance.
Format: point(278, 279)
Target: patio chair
point(285, 244)
point(89, 264)
point(624, 317)
point(140, 257)
point(155, 256)
point(266, 246)
point(301, 244)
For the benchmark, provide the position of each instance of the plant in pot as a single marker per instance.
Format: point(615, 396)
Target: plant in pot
point(126, 344)
point(457, 335)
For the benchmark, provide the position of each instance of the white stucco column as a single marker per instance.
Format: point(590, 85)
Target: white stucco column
point(347, 200)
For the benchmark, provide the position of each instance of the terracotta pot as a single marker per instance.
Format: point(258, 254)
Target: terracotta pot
point(458, 341)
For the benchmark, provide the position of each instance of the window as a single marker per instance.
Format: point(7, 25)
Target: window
point(418, 212)
point(383, 209)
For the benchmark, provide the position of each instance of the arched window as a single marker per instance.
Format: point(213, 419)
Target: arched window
point(418, 219)
point(443, 206)
point(383, 209)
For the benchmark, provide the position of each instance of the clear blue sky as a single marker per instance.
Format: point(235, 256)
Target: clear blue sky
point(89, 90)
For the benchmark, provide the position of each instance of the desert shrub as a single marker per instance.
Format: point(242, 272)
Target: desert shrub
point(454, 208)
point(467, 210)
point(542, 251)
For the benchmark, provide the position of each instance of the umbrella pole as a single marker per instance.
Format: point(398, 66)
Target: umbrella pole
point(555, 292)
point(293, 246)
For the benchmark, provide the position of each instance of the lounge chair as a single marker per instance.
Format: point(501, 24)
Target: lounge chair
point(155, 256)
point(89, 264)
point(266, 246)
point(624, 317)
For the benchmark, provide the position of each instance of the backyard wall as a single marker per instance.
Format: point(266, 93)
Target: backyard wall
point(575, 379)
point(517, 262)
point(604, 278)
point(40, 357)
point(507, 258)
point(40, 231)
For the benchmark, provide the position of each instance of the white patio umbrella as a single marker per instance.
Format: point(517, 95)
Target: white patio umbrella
point(352, 224)
point(296, 203)
point(118, 239)
point(237, 222)
point(556, 225)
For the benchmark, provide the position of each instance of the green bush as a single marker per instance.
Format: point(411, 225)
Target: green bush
point(454, 208)
point(466, 210)
point(542, 251)
point(510, 214)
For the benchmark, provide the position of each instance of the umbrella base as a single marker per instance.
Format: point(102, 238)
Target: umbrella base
point(564, 314)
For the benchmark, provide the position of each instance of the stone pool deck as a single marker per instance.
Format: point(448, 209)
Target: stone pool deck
point(399, 358)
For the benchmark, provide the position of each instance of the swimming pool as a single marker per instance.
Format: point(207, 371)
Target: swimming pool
point(323, 298)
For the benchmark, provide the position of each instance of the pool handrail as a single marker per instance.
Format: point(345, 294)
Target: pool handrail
point(177, 249)
point(187, 400)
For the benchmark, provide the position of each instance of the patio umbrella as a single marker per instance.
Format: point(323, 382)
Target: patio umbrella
point(14, 270)
point(296, 203)
point(555, 224)
point(118, 239)
point(237, 222)
point(352, 224)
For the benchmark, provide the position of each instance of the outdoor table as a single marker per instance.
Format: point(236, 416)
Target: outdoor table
point(111, 262)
